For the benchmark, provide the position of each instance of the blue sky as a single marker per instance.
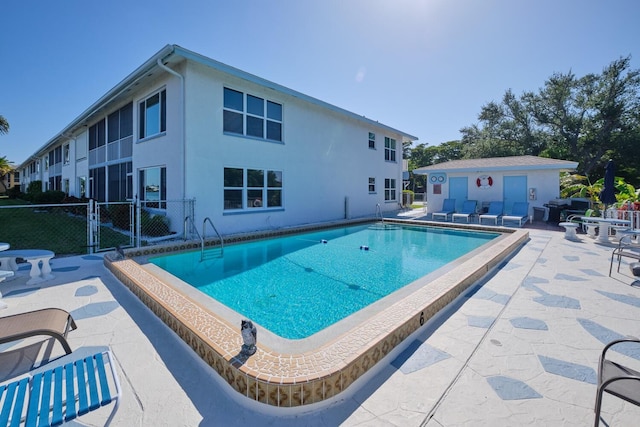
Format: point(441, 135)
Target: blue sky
point(425, 67)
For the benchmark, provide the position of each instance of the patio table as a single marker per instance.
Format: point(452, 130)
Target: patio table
point(604, 224)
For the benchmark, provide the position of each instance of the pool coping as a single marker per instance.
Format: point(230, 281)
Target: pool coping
point(289, 379)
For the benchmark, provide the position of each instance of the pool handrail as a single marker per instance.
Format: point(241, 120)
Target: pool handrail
point(379, 212)
point(204, 226)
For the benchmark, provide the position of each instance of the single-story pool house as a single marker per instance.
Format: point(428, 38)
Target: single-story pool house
point(531, 179)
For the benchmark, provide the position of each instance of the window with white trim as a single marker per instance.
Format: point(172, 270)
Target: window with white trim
point(153, 187)
point(389, 149)
point(152, 115)
point(249, 115)
point(389, 189)
point(252, 189)
point(372, 140)
point(82, 186)
point(372, 185)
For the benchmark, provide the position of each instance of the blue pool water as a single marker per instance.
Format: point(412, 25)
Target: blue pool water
point(298, 285)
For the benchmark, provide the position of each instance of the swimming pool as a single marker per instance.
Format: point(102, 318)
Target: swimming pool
point(313, 370)
point(295, 286)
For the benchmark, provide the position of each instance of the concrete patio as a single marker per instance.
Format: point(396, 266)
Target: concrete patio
point(521, 348)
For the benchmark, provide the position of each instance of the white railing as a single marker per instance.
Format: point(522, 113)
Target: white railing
point(633, 216)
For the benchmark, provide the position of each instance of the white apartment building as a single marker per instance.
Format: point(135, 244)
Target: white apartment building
point(252, 153)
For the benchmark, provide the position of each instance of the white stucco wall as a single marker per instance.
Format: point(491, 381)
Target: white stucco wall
point(324, 158)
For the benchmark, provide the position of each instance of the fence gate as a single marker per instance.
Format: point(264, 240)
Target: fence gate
point(111, 225)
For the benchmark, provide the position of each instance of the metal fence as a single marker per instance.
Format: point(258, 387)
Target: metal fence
point(80, 228)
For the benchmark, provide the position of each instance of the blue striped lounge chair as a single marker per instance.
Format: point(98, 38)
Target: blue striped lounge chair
point(55, 396)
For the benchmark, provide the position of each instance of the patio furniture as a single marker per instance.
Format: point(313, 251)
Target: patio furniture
point(494, 212)
point(54, 322)
point(616, 379)
point(626, 248)
point(468, 211)
point(519, 213)
point(570, 230)
point(448, 208)
point(577, 218)
point(33, 257)
point(61, 394)
point(4, 273)
point(603, 226)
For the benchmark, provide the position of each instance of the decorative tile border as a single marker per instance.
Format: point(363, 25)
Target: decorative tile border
point(295, 380)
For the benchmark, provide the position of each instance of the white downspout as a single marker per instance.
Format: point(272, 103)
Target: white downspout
point(184, 128)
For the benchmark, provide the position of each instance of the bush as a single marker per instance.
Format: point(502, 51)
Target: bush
point(33, 190)
point(14, 193)
point(49, 197)
point(407, 197)
point(120, 216)
point(156, 225)
point(75, 210)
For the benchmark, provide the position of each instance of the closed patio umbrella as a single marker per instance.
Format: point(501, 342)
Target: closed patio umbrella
point(608, 193)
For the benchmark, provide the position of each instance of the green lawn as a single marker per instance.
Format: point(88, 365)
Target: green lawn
point(58, 229)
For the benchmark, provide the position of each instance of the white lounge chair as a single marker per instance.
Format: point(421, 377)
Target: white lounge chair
point(519, 213)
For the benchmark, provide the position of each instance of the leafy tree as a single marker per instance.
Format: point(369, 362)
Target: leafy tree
point(589, 120)
point(4, 125)
point(508, 130)
point(574, 185)
point(424, 155)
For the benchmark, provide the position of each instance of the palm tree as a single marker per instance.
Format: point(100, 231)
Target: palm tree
point(4, 125)
point(5, 168)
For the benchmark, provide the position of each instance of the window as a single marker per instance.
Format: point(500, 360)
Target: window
point(120, 133)
point(153, 115)
point(372, 140)
point(249, 115)
point(98, 184)
point(252, 189)
point(372, 185)
point(97, 135)
point(120, 182)
point(153, 187)
point(389, 189)
point(389, 149)
point(82, 186)
point(65, 186)
point(66, 155)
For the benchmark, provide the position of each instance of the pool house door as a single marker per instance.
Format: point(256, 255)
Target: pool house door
point(459, 190)
point(515, 190)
